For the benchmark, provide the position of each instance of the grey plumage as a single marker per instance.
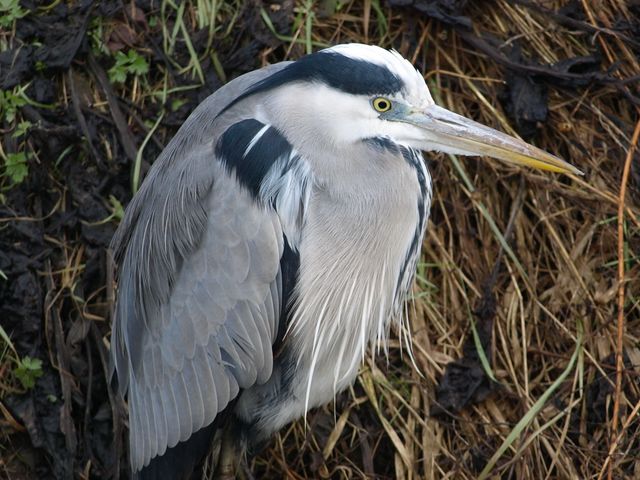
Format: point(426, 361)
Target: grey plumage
point(171, 325)
point(274, 239)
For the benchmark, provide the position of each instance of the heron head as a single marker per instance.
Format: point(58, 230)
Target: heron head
point(353, 92)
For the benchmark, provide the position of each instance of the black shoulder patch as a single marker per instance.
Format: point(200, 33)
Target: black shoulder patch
point(350, 75)
point(248, 158)
point(289, 268)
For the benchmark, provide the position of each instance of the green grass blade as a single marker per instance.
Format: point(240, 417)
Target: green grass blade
point(5, 337)
point(285, 38)
point(135, 177)
point(484, 361)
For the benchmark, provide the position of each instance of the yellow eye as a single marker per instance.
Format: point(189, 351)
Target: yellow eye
point(382, 104)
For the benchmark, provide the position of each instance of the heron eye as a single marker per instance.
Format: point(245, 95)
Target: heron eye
point(382, 104)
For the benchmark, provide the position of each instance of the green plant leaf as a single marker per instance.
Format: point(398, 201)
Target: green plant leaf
point(16, 167)
point(139, 66)
point(28, 371)
point(118, 209)
point(22, 128)
point(9, 104)
point(130, 63)
point(10, 11)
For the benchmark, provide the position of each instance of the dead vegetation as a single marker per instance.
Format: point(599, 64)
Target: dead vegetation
point(531, 262)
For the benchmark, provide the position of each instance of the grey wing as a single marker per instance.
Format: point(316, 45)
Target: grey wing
point(185, 357)
point(214, 334)
point(199, 293)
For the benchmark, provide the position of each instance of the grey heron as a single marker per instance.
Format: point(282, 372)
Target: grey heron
point(273, 241)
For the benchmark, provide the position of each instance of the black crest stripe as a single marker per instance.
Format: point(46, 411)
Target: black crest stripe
point(350, 75)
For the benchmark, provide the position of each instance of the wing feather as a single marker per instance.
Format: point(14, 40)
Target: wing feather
point(184, 401)
point(161, 420)
point(172, 420)
point(191, 378)
point(151, 420)
point(221, 382)
point(208, 385)
point(135, 432)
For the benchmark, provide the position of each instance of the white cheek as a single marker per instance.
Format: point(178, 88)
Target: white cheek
point(321, 117)
point(317, 118)
point(349, 130)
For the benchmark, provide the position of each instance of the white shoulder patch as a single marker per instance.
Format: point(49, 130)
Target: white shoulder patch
point(287, 186)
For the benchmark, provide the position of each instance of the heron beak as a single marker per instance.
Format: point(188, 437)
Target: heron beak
point(449, 132)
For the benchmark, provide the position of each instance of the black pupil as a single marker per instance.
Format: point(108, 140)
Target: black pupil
point(382, 104)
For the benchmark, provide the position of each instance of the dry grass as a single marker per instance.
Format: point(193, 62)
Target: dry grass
point(544, 247)
point(559, 279)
